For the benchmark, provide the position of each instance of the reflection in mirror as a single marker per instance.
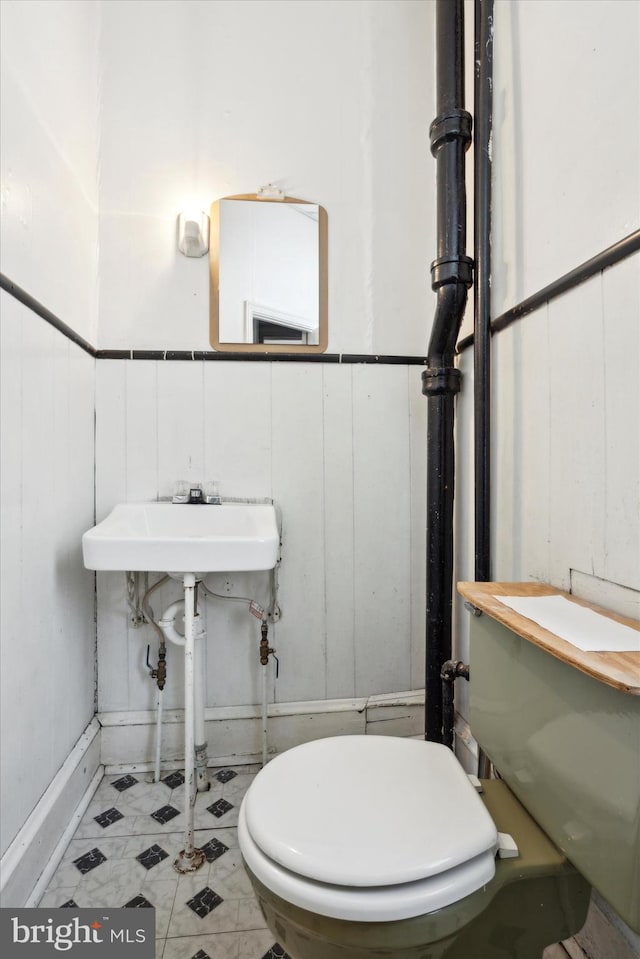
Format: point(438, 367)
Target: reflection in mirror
point(268, 265)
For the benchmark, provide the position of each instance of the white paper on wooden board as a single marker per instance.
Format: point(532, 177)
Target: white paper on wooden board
point(578, 625)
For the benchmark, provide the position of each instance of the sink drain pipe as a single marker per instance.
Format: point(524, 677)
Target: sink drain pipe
point(191, 857)
point(451, 275)
point(167, 625)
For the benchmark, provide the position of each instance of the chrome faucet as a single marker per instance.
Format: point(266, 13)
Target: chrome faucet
point(196, 494)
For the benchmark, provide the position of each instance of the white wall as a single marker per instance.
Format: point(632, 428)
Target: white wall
point(49, 236)
point(331, 100)
point(49, 154)
point(566, 138)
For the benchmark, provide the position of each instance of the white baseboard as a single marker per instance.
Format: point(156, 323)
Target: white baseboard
point(234, 733)
point(38, 847)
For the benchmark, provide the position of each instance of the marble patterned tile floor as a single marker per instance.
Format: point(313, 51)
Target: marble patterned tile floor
point(123, 851)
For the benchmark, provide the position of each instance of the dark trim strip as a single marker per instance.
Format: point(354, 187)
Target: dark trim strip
point(114, 355)
point(601, 261)
point(386, 359)
point(225, 357)
point(32, 304)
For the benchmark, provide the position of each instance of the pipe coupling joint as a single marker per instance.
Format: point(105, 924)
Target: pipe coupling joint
point(440, 381)
point(451, 269)
point(452, 669)
point(455, 125)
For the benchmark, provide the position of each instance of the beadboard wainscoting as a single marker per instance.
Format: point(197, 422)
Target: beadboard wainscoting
point(341, 449)
point(47, 602)
point(566, 449)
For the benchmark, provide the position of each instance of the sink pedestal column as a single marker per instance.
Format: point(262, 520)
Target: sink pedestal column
point(190, 858)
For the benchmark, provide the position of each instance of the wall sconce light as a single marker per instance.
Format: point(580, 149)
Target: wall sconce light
point(193, 233)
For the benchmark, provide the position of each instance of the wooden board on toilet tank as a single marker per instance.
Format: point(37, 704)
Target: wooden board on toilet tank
point(568, 745)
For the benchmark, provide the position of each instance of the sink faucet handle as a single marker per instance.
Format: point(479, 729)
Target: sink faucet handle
point(212, 492)
point(181, 494)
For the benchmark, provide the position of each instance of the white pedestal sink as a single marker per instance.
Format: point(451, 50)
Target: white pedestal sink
point(189, 540)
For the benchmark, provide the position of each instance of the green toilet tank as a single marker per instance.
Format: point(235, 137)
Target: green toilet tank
point(562, 727)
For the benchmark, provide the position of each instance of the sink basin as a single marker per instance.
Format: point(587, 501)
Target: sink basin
point(163, 537)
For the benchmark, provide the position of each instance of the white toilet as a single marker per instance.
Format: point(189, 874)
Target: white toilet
point(370, 855)
point(372, 845)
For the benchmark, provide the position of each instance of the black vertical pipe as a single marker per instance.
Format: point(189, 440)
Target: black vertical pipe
point(483, 105)
point(451, 276)
point(448, 711)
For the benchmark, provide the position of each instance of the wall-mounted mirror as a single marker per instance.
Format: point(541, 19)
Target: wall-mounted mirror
point(268, 265)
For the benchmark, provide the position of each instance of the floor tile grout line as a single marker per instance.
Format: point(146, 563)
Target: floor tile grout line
point(217, 831)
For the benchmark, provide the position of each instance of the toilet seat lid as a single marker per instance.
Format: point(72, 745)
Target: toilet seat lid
point(367, 811)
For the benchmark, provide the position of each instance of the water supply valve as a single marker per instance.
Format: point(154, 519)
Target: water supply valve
point(266, 650)
point(158, 673)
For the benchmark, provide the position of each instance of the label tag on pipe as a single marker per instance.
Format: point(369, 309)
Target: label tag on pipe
point(256, 610)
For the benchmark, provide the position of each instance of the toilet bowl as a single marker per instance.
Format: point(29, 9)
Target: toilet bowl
point(362, 846)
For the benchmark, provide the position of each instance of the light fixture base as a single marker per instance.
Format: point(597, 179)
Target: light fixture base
point(193, 233)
